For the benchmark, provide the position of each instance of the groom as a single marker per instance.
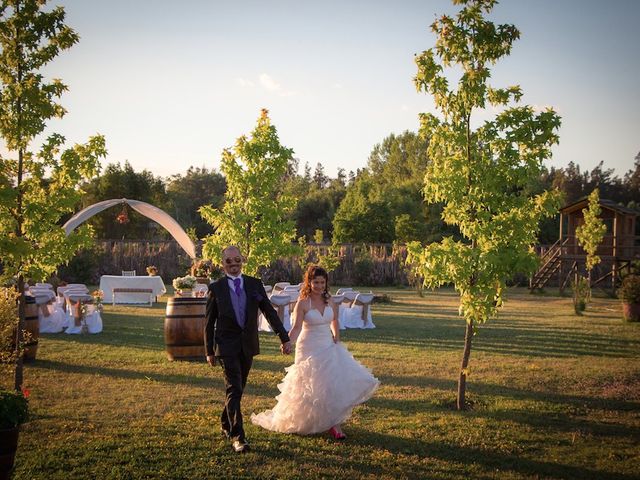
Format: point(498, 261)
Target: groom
point(231, 335)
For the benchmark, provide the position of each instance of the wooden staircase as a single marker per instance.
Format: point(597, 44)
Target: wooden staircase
point(550, 264)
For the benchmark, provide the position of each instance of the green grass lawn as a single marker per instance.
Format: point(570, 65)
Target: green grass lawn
point(554, 396)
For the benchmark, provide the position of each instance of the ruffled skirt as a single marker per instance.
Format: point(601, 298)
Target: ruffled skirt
point(318, 392)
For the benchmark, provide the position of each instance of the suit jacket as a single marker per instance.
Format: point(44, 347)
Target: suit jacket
point(222, 334)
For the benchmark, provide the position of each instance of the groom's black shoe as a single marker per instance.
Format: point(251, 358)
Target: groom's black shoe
point(240, 446)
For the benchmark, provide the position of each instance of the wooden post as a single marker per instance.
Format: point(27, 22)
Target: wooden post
point(614, 252)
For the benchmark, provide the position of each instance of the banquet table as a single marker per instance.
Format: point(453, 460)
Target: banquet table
point(109, 282)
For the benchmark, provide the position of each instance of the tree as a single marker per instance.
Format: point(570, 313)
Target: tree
point(307, 172)
point(398, 166)
point(254, 216)
point(32, 241)
point(392, 187)
point(316, 210)
point(320, 180)
point(480, 175)
point(591, 233)
point(186, 194)
point(589, 236)
point(571, 181)
point(632, 182)
point(118, 181)
point(362, 217)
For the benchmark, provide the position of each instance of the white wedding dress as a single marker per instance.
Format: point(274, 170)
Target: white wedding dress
point(323, 385)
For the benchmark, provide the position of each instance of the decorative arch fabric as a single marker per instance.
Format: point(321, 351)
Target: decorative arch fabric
point(149, 211)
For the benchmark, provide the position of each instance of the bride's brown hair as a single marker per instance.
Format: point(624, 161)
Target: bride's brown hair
point(312, 272)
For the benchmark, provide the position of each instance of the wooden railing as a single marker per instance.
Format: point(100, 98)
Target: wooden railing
point(626, 247)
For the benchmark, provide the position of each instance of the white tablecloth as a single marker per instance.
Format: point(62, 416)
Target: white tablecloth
point(109, 282)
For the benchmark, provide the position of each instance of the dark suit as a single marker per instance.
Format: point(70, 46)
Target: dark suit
point(233, 346)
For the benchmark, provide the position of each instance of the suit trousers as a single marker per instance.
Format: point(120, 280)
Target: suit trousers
point(236, 370)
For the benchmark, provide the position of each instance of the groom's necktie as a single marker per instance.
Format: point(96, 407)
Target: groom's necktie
point(236, 286)
point(238, 301)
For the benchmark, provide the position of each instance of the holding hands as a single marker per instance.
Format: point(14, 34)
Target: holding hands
point(285, 348)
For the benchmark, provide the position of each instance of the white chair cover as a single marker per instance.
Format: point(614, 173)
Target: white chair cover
point(93, 320)
point(45, 285)
point(50, 312)
point(72, 290)
point(73, 329)
point(358, 315)
point(294, 293)
point(280, 286)
point(338, 299)
point(72, 297)
point(349, 296)
point(281, 304)
point(53, 320)
point(43, 295)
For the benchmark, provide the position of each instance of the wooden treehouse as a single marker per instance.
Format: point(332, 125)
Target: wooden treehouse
point(620, 247)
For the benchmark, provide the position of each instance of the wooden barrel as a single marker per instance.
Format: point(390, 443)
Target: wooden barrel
point(31, 325)
point(184, 328)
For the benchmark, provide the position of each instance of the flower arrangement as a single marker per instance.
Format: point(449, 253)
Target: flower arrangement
point(184, 283)
point(98, 297)
point(14, 408)
point(152, 271)
point(123, 216)
point(202, 268)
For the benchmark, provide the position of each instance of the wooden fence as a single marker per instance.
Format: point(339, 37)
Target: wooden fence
point(360, 264)
point(372, 264)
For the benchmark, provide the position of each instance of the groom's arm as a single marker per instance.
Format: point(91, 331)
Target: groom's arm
point(210, 326)
point(271, 315)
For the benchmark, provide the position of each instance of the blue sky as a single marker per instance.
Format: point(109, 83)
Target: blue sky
point(170, 84)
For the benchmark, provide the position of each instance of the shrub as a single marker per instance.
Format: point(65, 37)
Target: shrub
point(581, 294)
point(9, 353)
point(84, 267)
point(629, 291)
point(363, 268)
point(14, 408)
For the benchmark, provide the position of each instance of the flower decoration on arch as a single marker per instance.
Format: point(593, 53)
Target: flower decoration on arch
point(123, 216)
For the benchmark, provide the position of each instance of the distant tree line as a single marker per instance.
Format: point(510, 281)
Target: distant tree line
point(381, 202)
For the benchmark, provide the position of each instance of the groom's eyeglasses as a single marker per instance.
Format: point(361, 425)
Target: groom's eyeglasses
point(229, 261)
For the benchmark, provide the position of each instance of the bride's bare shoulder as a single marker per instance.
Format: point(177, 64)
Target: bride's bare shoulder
point(302, 305)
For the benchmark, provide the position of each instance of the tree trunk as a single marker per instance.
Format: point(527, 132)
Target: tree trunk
point(19, 213)
point(19, 334)
point(462, 380)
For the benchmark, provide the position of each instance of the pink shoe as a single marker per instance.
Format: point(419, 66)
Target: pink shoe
point(337, 435)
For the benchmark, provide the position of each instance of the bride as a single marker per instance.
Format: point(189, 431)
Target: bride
point(324, 384)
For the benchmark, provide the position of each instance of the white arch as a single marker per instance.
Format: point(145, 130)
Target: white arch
point(154, 213)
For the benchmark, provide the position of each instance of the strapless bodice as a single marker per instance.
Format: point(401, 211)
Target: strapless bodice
point(313, 317)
